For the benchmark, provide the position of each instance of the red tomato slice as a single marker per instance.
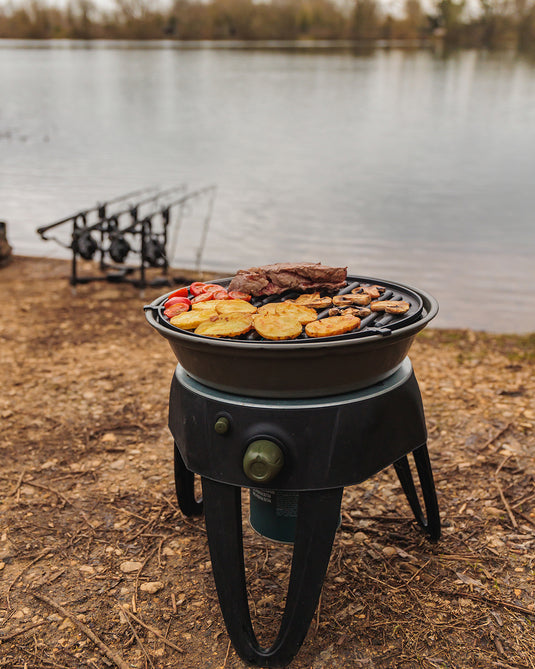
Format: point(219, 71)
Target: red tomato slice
point(207, 295)
point(221, 294)
point(181, 292)
point(176, 309)
point(197, 287)
point(177, 300)
point(238, 295)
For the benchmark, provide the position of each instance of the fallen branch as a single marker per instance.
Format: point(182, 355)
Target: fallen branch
point(22, 630)
point(490, 600)
point(61, 496)
point(145, 653)
point(496, 436)
point(18, 484)
point(109, 652)
point(138, 573)
point(155, 631)
point(226, 656)
point(41, 555)
point(506, 504)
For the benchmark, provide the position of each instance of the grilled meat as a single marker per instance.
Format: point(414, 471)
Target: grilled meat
point(277, 278)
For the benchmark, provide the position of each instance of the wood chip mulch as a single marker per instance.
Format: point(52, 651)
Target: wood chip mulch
point(98, 567)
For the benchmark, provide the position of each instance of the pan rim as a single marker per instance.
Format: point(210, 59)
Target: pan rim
point(429, 310)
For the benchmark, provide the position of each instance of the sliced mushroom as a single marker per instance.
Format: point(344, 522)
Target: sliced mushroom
point(351, 299)
point(313, 300)
point(361, 312)
point(374, 291)
point(391, 306)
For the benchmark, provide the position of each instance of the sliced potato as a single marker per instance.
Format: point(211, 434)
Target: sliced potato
point(299, 311)
point(391, 306)
point(208, 304)
point(362, 299)
point(334, 325)
point(189, 320)
point(226, 325)
point(289, 308)
point(268, 308)
point(305, 298)
point(277, 326)
point(230, 306)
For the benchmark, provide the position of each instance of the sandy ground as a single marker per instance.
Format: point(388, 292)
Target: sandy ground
point(99, 568)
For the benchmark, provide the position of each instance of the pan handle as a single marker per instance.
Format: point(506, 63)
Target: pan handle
point(153, 306)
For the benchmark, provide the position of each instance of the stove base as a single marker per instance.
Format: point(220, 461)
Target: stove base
point(390, 413)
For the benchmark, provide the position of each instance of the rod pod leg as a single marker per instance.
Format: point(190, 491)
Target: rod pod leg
point(184, 485)
point(430, 522)
point(317, 520)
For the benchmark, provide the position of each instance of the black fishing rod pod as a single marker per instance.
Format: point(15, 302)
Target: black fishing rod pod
point(82, 241)
point(119, 247)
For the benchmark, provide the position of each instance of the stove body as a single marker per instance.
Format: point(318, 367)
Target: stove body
point(310, 448)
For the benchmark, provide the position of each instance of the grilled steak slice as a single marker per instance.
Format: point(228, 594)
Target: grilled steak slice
point(275, 279)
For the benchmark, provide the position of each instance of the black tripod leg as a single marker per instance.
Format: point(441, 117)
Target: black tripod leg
point(431, 521)
point(185, 493)
point(317, 520)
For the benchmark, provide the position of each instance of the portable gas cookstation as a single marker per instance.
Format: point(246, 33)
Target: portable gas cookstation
point(295, 421)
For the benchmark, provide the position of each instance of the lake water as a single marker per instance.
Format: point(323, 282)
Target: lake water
point(399, 164)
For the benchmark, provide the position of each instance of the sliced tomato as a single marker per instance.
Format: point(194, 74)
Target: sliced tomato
point(181, 292)
point(177, 300)
point(197, 287)
point(238, 295)
point(175, 309)
point(221, 294)
point(204, 297)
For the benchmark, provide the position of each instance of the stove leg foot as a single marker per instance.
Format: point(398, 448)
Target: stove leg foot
point(317, 520)
point(431, 523)
point(185, 493)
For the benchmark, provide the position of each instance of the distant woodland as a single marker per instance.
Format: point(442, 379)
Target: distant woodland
point(480, 23)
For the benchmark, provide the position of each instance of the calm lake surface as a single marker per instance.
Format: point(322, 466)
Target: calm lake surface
point(399, 164)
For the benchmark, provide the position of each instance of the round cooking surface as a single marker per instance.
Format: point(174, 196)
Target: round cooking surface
point(379, 323)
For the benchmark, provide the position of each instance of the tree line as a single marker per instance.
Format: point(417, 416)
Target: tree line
point(481, 23)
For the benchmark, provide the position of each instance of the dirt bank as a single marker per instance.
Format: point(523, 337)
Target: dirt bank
point(89, 522)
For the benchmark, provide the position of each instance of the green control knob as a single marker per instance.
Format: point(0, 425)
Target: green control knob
point(222, 425)
point(262, 461)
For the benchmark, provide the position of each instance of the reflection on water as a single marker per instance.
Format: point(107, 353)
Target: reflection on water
point(396, 163)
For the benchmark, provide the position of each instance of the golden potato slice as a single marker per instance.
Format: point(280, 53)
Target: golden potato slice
point(391, 306)
point(361, 299)
point(299, 311)
point(277, 326)
point(268, 308)
point(226, 325)
point(306, 297)
point(230, 306)
point(208, 304)
point(189, 320)
point(334, 325)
